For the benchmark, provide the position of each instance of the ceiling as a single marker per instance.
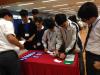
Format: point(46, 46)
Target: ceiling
point(48, 6)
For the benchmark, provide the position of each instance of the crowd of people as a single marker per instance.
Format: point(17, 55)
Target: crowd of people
point(60, 35)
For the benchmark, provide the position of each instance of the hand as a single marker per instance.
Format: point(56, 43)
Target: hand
point(30, 39)
point(62, 56)
point(45, 50)
point(97, 65)
point(22, 47)
point(56, 53)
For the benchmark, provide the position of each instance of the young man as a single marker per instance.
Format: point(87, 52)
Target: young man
point(26, 29)
point(9, 64)
point(36, 43)
point(88, 13)
point(52, 38)
point(35, 13)
point(68, 31)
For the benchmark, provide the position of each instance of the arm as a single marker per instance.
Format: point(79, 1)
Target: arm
point(9, 34)
point(71, 45)
point(12, 39)
point(33, 31)
point(31, 38)
point(44, 39)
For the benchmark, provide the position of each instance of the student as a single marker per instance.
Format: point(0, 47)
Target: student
point(74, 19)
point(26, 29)
point(78, 43)
point(75, 23)
point(36, 43)
point(88, 13)
point(68, 31)
point(35, 13)
point(9, 64)
point(51, 39)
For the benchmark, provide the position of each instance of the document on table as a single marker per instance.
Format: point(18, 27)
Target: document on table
point(58, 61)
point(69, 59)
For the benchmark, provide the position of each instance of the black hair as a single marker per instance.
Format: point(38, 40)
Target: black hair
point(23, 12)
point(35, 11)
point(38, 19)
point(73, 18)
point(51, 23)
point(4, 12)
point(88, 10)
point(60, 19)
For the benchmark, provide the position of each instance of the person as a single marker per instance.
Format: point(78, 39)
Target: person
point(35, 13)
point(51, 38)
point(9, 64)
point(68, 31)
point(75, 22)
point(78, 42)
point(26, 29)
point(74, 19)
point(88, 13)
point(36, 43)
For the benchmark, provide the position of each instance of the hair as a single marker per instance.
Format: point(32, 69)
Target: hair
point(4, 12)
point(38, 19)
point(23, 12)
point(60, 19)
point(73, 18)
point(51, 24)
point(35, 11)
point(88, 10)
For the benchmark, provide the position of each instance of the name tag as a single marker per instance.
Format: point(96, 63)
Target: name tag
point(26, 35)
point(38, 44)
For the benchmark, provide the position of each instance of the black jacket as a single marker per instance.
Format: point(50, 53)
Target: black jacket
point(21, 31)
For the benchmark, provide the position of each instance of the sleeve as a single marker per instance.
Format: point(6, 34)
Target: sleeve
point(58, 40)
point(44, 39)
point(73, 40)
point(8, 28)
point(97, 29)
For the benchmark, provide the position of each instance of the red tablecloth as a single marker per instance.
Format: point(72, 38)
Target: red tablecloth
point(45, 65)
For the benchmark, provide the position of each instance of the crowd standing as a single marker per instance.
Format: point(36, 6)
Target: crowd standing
point(60, 35)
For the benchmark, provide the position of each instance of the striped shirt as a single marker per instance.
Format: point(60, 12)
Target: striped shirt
point(52, 39)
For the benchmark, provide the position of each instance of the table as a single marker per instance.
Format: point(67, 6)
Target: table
point(45, 65)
